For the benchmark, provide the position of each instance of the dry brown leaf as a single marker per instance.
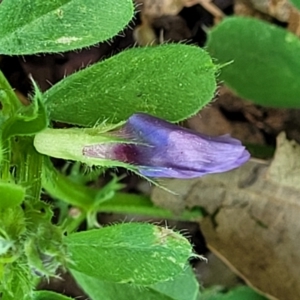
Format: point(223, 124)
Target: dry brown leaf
point(294, 21)
point(22, 98)
point(151, 10)
point(285, 168)
point(158, 8)
point(281, 10)
point(253, 219)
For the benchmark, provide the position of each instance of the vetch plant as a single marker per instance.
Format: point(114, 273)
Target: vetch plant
point(161, 149)
point(123, 261)
point(147, 145)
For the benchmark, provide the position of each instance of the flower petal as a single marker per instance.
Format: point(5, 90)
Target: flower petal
point(162, 149)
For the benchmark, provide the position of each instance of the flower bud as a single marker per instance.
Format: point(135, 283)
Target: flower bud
point(160, 149)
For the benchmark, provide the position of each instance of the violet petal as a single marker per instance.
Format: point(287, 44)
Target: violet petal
point(162, 149)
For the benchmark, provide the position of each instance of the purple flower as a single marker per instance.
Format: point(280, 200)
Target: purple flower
point(161, 149)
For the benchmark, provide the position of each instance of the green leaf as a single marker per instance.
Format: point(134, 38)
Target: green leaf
point(183, 287)
point(242, 292)
point(18, 282)
point(11, 194)
point(142, 254)
point(36, 26)
point(169, 81)
point(266, 62)
point(13, 226)
point(28, 120)
point(48, 295)
point(142, 205)
point(296, 3)
point(45, 250)
point(61, 187)
point(8, 99)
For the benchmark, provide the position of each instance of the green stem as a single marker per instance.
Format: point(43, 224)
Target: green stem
point(61, 187)
point(28, 164)
point(10, 103)
point(72, 224)
point(5, 160)
point(142, 205)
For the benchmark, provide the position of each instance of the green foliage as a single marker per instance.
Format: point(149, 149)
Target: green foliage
point(11, 194)
point(36, 26)
point(133, 81)
point(141, 205)
point(296, 3)
point(18, 236)
point(27, 120)
point(142, 254)
point(44, 248)
point(170, 81)
point(265, 60)
point(108, 199)
point(48, 295)
point(8, 99)
point(182, 287)
point(239, 293)
point(12, 230)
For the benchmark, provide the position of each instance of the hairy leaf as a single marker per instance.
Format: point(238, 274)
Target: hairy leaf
point(170, 81)
point(265, 60)
point(182, 287)
point(142, 254)
point(36, 26)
